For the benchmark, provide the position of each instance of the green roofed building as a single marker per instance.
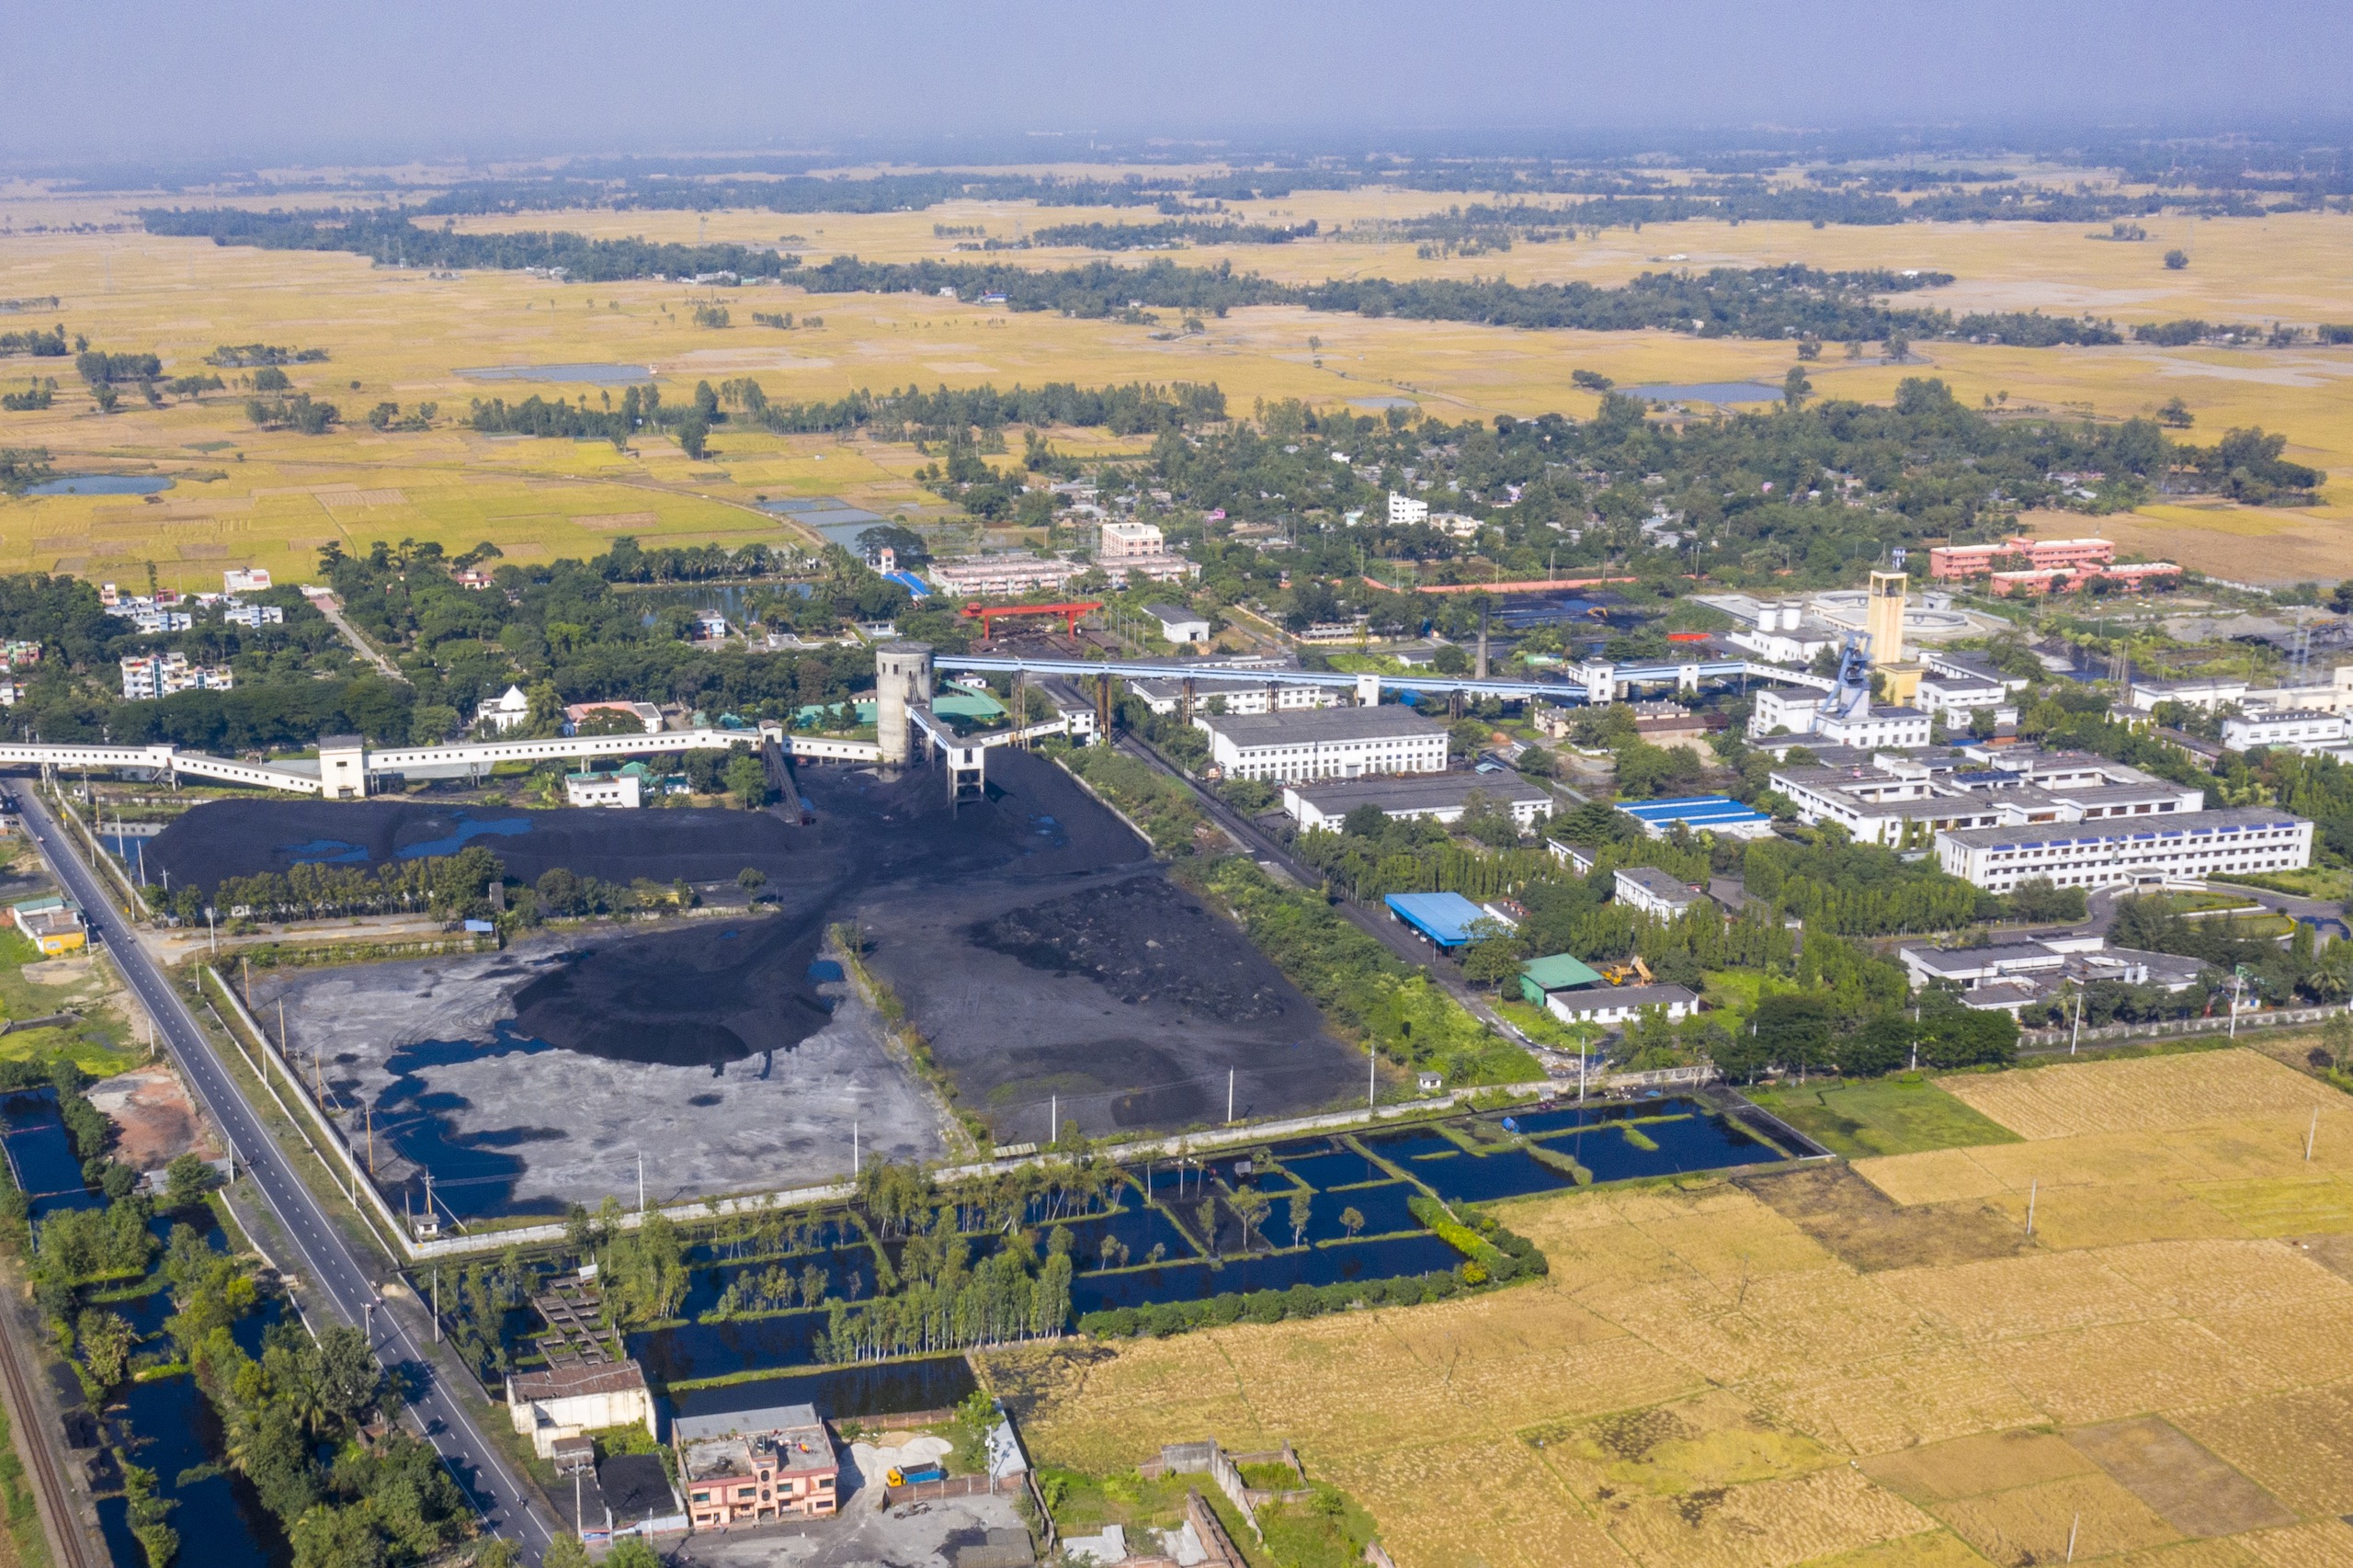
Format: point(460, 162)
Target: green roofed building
point(1539, 978)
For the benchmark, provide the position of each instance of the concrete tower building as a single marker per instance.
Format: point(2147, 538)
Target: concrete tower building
point(1883, 624)
point(1884, 621)
point(902, 683)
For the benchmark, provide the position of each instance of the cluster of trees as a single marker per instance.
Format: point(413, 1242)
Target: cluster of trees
point(1169, 233)
point(392, 239)
point(1809, 1033)
point(298, 412)
point(50, 345)
point(448, 885)
point(38, 394)
point(1771, 301)
point(292, 1423)
point(942, 1301)
point(2233, 946)
point(246, 356)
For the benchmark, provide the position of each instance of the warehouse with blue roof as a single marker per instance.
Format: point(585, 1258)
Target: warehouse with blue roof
point(1447, 920)
point(1701, 813)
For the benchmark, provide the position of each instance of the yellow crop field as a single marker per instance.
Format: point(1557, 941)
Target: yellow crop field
point(1732, 1373)
point(2192, 1089)
point(404, 338)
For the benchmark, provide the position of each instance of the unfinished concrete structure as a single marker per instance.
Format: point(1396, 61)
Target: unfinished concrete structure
point(903, 686)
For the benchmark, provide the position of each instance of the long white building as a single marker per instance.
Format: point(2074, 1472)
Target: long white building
point(1798, 712)
point(1895, 797)
point(2113, 853)
point(1332, 743)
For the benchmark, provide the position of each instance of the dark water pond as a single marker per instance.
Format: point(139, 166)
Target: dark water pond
point(1271, 1271)
point(174, 1429)
point(1684, 1144)
point(1327, 1169)
point(100, 484)
point(717, 1350)
point(891, 1388)
point(1705, 391)
point(41, 1154)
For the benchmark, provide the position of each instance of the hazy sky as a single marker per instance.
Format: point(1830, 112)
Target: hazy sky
point(318, 80)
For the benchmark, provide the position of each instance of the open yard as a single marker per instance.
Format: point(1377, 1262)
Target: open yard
point(1872, 1365)
point(248, 497)
point(1901, 1115)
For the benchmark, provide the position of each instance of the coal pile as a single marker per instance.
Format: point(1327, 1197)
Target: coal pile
point(1140, 938)
point(243, 838)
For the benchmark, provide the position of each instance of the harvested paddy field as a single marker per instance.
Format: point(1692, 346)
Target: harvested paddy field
point(1034, 944)
point(1869, 1365)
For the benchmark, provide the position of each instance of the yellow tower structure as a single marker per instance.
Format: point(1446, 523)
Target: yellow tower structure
point(1883, 626)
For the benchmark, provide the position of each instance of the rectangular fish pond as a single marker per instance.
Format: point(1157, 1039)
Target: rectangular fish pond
point(771, 1295)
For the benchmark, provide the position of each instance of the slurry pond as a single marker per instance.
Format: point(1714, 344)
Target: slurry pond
point(887, 1388)
point(101, 485)
point(1052, 965)
point(41, 1154)
point(1376, 1175)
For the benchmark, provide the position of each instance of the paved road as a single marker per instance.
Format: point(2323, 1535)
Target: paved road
point(340, 1280)
point(333, 612)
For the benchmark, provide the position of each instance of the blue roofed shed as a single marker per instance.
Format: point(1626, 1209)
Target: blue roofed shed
point(1701, 813)
point(1446, 918)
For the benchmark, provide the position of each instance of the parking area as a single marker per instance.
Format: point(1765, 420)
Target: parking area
point(916, 1535)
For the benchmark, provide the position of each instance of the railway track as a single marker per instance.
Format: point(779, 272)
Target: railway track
point(67, 1538)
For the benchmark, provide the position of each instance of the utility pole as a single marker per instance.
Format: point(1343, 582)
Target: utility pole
point(212, 930)
point(2238, 983)
point(2312, 1133)
point(436, 1303)
point(1372, 1081)
point(2078, 1032)
point(2033, 1188)
point(641, 1183)
point(1229, 1096)
point(1053, 1119)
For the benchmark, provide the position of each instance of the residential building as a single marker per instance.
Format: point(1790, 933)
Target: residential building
point(1151, 569)
point(245, 580)
point(2336, 697)
point(1002, 576)
point(1646, 890)
point(2188, 846)
point(53, 924)
point(506, 712)
point(1130, 541)
point(1179, 625)
point(1700, 813)
point(150, 676)
point(254, 615)
point(753, 1465)
point(1457, 525)
point(1439, 797)
point(1404, 511)
point(1233, 694)
point(2304, 729)
point(648, 717)
point(625, 790)
point(563, 1402)
point(1333, 743)
point(1619, 1004)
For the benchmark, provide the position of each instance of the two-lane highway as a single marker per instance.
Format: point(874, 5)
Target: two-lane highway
point(338, 1278)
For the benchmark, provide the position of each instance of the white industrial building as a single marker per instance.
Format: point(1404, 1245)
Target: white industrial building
point(1335, 743)
point(1619, 1004)
point(1957, 700)
point(1179, 625)
point(2305, 730)
point(1648, 891)
point(1894, 798)
point(1404, 511)
point(2007, 976)
point(2113, 852)
point(2143, 696)
point(1440, 797)
point(626, 790)
point(1239, 694)
point(1796, 710)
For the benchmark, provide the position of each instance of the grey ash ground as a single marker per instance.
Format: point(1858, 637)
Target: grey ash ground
point(1048, 960)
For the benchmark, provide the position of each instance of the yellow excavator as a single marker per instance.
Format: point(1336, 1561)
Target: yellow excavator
point(1619, 974)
